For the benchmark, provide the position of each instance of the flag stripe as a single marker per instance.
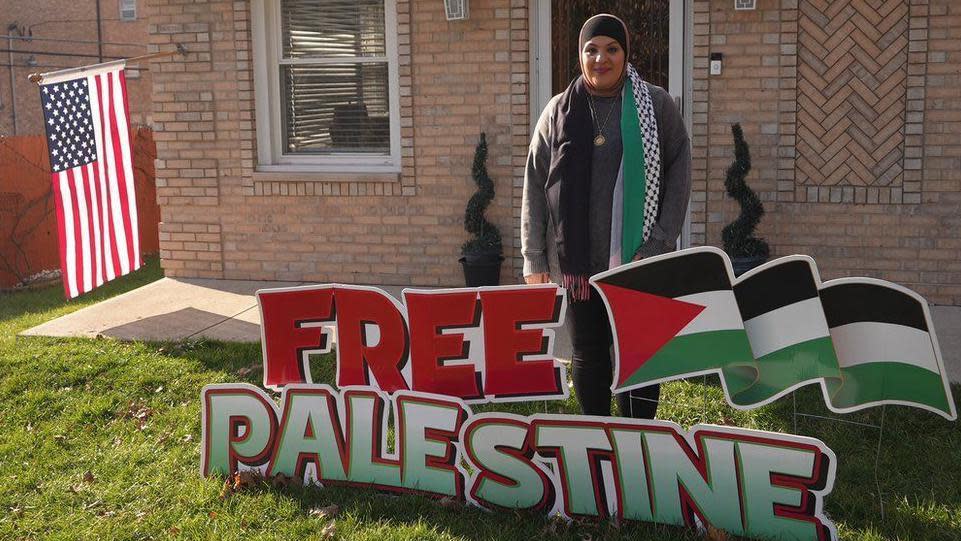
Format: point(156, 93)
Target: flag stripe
point(118, 155)
point(786, 326)
point(110, 165)
point(789, 368)
point(121, 216)
point(61, 231)
point(774, 286)
point(90, 180)
point(112, 258)
point(886, 382)
point(77, 268)
point(691, 354)
point(870, 342)
point(720, 312)
point(673, 277)
point(856, 302)
point(84, 279)
point(98, 180)
point(123, 126)
point(69, 226)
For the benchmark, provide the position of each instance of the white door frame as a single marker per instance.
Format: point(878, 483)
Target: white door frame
point(681, 79)
point(540, 58)
point(680, 69)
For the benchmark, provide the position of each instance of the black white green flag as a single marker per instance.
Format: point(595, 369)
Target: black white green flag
point(865, 342)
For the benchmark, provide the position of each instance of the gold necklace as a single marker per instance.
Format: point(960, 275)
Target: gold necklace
point(600, 139)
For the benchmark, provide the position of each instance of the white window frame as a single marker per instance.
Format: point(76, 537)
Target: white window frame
point(267, 47)
point(131, 5)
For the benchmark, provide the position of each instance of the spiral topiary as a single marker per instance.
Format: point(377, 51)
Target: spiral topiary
point(738, 236)
point(486, 238)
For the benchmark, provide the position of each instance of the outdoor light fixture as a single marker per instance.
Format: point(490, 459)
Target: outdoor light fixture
point(456, 10)
point(745, 4)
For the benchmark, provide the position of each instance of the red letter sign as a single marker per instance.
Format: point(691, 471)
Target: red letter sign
point(429, 314)
point(506, 342)
point(360, 311)
point(290, 327)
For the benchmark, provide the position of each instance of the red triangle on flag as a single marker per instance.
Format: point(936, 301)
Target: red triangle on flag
point(642, 323)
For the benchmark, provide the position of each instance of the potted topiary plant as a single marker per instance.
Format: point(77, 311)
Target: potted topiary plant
point(746, 250)
point(482, 254)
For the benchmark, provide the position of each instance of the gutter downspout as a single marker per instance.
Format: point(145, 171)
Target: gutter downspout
point(13, 82)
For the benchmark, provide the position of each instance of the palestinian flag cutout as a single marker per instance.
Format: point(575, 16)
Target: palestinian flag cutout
point(787, 329)
point(675, 316)
point(886, 347)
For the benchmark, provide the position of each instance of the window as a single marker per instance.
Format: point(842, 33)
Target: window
point(128, 10)
point(326, 85)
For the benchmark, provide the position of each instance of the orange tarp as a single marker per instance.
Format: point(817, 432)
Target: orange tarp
point(28, 217)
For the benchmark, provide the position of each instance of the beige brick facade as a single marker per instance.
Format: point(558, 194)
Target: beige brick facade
point(876, 89)
point(51, 20)
point(894, 214)
point(222, 218)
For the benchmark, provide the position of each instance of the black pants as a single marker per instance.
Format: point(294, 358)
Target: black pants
point(593, 367)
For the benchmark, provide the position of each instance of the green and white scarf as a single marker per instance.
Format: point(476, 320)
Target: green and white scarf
point(638, 179)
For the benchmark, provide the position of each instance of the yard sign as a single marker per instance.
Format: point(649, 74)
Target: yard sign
point(417, 367)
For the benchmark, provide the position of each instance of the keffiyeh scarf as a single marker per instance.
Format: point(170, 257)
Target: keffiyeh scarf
point(636, 192)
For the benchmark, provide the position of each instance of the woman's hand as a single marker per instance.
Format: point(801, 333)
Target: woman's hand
point(537, 278)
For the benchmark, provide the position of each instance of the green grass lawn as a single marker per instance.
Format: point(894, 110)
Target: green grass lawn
point(129, 414)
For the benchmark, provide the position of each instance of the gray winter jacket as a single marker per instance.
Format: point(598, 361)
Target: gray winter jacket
point(537, 246)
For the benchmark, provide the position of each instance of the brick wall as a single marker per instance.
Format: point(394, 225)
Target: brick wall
point(882, 87)
point(885, 91)
point(221, 218)
point(66, 19)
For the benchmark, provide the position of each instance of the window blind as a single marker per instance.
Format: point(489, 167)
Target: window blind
point(334, 78)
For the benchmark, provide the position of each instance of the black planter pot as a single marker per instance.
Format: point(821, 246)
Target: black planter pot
point(744, 264)
point(482, 269)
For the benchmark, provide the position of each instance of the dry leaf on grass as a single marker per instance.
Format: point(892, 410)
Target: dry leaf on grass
point(715, 534)
point(139, 413)
point(246, 479)
point(247, 369)
point(282, 481)
point(329, 511)
point(239, 481)
point(227, 489)
point(88, 477)
point(329, 530)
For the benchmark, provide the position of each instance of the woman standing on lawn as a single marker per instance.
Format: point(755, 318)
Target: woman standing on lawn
point(607, 182)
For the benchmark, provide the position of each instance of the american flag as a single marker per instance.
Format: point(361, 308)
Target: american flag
point(93, 184)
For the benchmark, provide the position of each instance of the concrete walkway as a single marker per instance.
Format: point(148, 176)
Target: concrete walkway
point(177, 309)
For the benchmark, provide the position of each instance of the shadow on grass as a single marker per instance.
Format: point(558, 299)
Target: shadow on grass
point(367, 508)
point(15, 304)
